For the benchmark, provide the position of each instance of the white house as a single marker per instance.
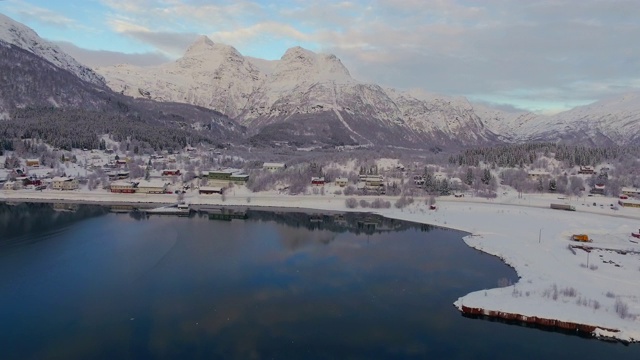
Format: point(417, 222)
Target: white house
point(3, 159)
point(273, 166)
point(342, 181)
point(12, 185)
point(64, 183)
point(634, 192)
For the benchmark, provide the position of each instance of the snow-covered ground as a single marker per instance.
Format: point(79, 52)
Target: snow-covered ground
point(599, 288)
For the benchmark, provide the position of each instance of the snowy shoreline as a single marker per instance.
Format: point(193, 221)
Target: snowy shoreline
point(600, 288)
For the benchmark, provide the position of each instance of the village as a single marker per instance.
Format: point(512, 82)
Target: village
point(163, 173)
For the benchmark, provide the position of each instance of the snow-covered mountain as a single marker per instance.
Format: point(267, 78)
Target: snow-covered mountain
point(210, 75)
point(314, 94)
point(606, 122)
point(17, 34)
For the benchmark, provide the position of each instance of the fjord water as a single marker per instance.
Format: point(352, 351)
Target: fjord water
point(80, 282)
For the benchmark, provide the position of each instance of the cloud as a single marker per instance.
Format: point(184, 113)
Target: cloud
point(171, 44)
point(31, 13)
point(550, 48)
point(267, 30)
point(99, 58)
point(524, 52)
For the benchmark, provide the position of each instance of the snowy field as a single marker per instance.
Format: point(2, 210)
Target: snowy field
point(599, 288)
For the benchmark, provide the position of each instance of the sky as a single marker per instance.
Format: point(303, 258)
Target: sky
point(544, 56)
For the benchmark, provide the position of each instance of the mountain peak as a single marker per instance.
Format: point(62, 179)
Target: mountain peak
point(307, 63)
point(204, 48)
point(20, 35)
point(202, 43)
point(298, 53)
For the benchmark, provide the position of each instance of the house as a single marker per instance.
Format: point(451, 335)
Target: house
point(22, 179)
point(633, 192)
point(342, 181)
point(535, 175)
point(319, 181)
point(171, 172)
point(121, 162)
point(226, 176)
point(118, 175)
point(3, 160)
point(456, 182)
point(64, 183)
point(223, 175)
point(32, 181)
point(33, 162)
point(12, 185)
point(629, 203)
point(239, 179)
point(150, 187)
point(270, 166)
point(418, 180)
point(598, 189)
point(206, 190)
point(371, 182)
point(122, 187)
point(586, 170)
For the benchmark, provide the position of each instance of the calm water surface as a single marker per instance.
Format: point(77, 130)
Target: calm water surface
point(90, 284)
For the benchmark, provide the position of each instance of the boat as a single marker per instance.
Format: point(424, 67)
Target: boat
point(636, 235)
point(179, 209)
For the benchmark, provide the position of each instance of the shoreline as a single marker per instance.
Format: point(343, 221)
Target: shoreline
point(510, 231)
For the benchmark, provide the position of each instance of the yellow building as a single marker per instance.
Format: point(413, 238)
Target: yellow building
point(151, 187)
point(64, 183)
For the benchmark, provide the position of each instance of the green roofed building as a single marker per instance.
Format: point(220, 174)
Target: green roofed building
point(233, 176)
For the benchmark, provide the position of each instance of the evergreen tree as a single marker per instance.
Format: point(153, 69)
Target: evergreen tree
point(486, 176)
point(469, 178)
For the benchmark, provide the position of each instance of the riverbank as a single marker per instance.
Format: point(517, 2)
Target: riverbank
point(599, 288)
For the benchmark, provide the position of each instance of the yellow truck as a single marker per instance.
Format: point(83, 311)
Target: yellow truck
point(580, 238)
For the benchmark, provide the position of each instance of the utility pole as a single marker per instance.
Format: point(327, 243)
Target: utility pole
point(540, 236)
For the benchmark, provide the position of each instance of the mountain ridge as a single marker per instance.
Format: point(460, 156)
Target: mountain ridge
point(303, 83)
point(15, 33)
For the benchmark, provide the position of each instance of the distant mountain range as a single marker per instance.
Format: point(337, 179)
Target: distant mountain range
point(307, 99)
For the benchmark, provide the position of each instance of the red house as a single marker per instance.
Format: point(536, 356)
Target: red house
point(317, 181)
point(171, 173)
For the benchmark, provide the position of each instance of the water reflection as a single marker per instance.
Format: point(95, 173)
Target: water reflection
point(25, 219)
point(265, 285)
